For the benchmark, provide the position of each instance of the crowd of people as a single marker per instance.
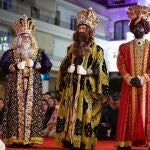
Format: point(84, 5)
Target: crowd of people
point(50, 106)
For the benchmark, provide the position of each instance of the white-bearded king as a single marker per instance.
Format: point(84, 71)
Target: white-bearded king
point(23, 63)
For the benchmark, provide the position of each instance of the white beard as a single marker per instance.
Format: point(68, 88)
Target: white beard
point(25, 53)
point(25, 50)
point(25, 45)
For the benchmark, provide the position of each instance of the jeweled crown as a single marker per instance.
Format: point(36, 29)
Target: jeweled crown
point(88, 17)
point(140, 12)
point(24, 24)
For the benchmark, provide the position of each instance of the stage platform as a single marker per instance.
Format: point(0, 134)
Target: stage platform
point(50, 144)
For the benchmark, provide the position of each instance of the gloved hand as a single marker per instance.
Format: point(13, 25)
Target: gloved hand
point(136, 82)
point(71, 69)
point(21, 65)
point(81, 70)
point(30, 63)
point(37, 66)
point(12, 68)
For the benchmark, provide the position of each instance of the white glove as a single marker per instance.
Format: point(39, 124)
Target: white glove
point(81, 70)
point(71, 69)
point(142, 79)
point(37, 66)
point(30, 63)
point(21, 65)
point(2, 145)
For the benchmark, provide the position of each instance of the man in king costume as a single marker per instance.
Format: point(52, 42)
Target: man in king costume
point(134, 65)
point(83, 83)
point(23, 64)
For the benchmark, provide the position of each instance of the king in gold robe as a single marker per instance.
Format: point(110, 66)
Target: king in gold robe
point(23, 65)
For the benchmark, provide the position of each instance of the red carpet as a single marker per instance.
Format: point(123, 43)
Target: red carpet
point(50, 144)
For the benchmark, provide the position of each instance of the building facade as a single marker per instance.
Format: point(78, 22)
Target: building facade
point(56, 22)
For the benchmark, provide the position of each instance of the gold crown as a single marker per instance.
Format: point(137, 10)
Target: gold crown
point(24, 24)
point(140, 12)
point(88, 17)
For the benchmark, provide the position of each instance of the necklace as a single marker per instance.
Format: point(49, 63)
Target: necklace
point(139, 42)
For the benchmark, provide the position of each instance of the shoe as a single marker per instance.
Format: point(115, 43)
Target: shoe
point(27, 146)
point(128, 148)
point(121, 148)
point(67, 144)
point(14, 145)
point(74, 148)
point(124, 148)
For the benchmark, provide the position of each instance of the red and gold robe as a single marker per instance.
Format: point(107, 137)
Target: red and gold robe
point(134, 109)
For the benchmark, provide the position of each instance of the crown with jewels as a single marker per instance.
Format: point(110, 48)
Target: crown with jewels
point(24, 24)
point(88, 17)
point(140, 12)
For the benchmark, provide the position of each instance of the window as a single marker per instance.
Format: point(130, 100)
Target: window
point(120, 29)
point(73, 23)
point(4, 40)
point(118, 1)
point(35, 12)
point(57, 18)
point(7, 4)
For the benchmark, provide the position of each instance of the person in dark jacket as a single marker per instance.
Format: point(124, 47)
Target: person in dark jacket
point(108, 124)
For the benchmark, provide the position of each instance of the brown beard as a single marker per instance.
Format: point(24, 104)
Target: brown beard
point(82, 41)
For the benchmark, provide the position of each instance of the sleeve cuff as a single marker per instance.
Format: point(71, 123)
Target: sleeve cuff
point(144, 78)
point(127, 78)
point(89, 72)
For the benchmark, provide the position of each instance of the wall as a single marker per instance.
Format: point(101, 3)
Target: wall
point(60, 46)
point(45, 41)
point(65, 15)
point(110, 52)
point(115, 14)
point(69, 10)
point(49, 5)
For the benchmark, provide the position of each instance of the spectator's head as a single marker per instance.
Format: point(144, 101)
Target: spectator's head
point(114, 101)
point(57, 103)
point(46, 96)
point(1, 103)
point(50, 101)
point(45, 105)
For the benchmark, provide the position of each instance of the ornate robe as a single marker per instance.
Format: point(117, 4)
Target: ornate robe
point(81, 101)
point(22, 120)
point(134, 110)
